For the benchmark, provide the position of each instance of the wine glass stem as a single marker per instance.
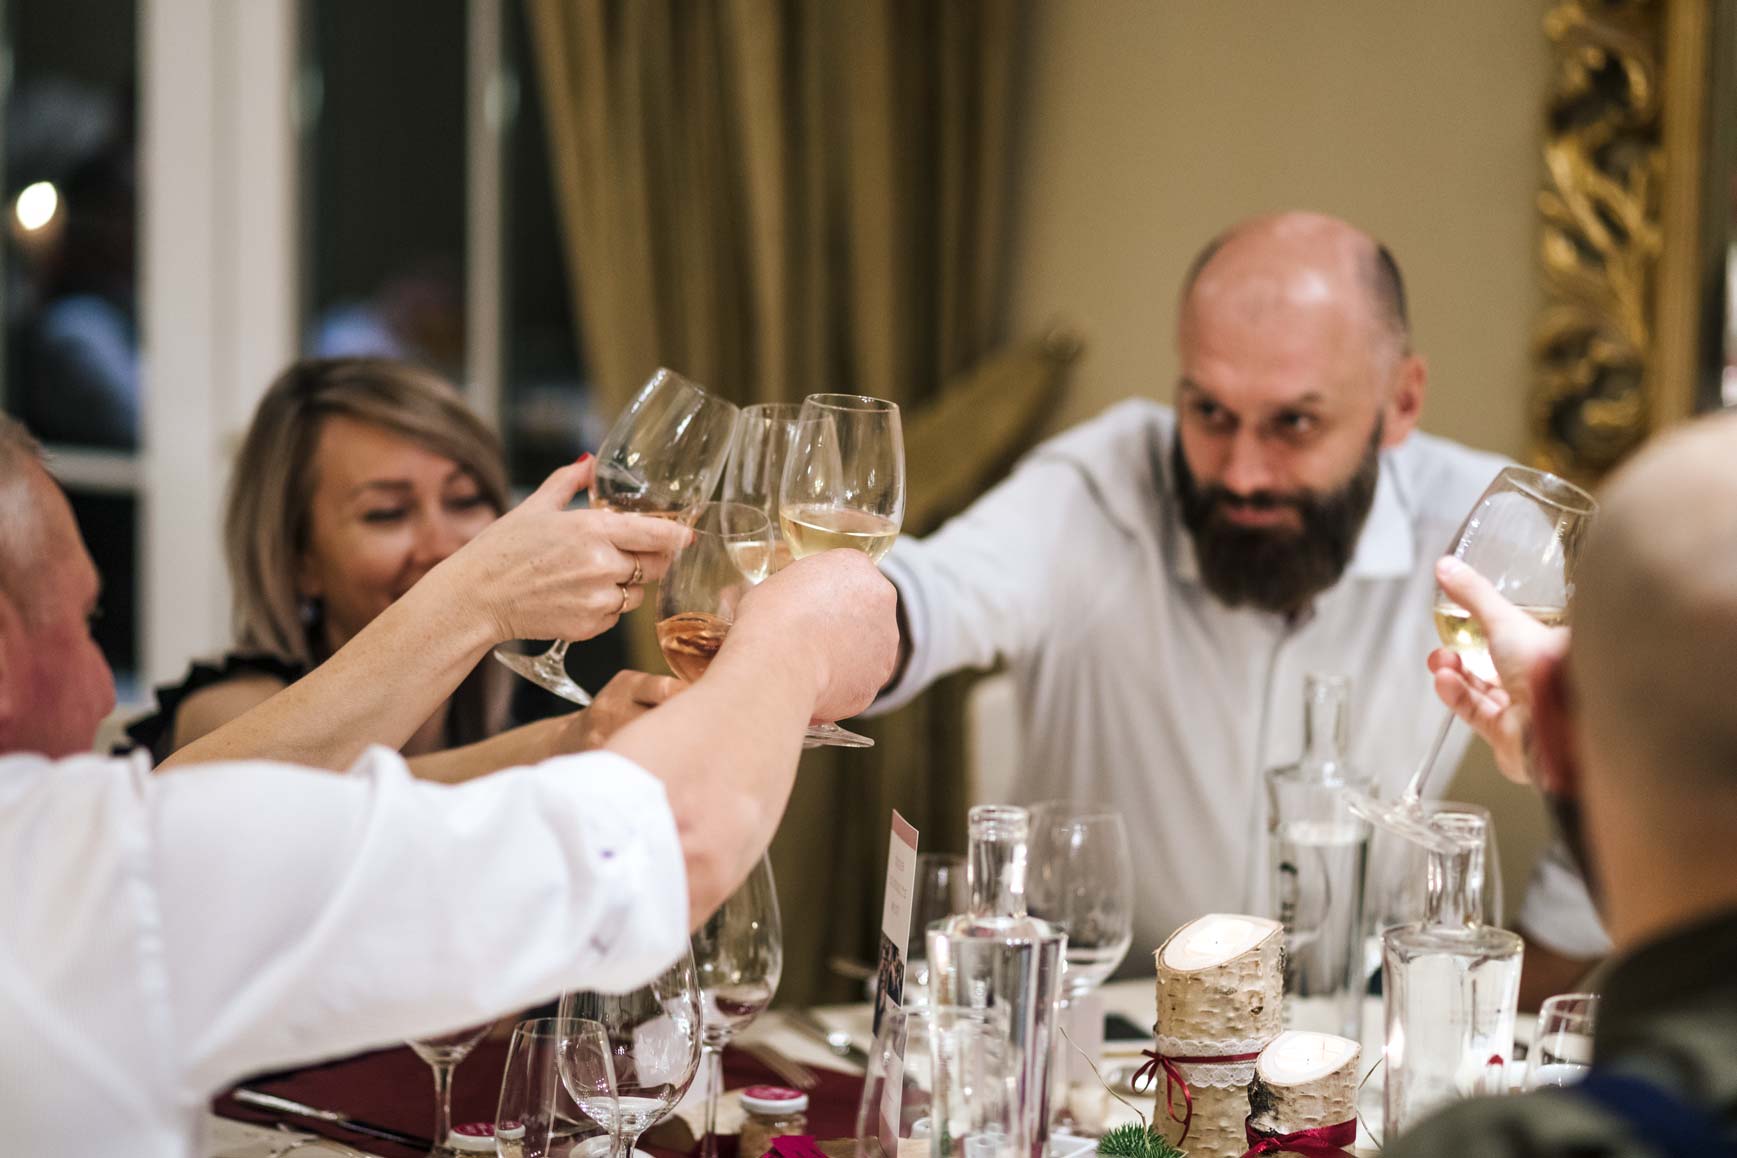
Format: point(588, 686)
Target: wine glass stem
point(442, 1105)
point(556, 656)
point(1414, 790)
point(714, 1056)
point(623, 1139)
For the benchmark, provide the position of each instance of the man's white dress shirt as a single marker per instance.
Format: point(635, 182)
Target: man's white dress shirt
point(163, 936)
point(1138, 688)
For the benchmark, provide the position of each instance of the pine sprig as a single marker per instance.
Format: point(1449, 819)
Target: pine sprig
point(1136, 1141)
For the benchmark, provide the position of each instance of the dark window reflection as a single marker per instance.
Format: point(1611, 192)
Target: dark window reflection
point(72, 344)
point(386, 181)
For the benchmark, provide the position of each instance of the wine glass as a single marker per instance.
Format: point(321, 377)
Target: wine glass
point(537, 1117)
point(739, 956)
point(1561, 1053)
point(939, 1068)
point(443, 1052)
point(1524, 537)
point(696, 602)
point(1080, 878)
point(635, 1055)
point(662, 458)
point(843, 486)
point(941, 891)
point(756, 468)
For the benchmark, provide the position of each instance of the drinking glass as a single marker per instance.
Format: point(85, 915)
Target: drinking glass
point(843, 486)
point(756, 468)
point(1561, 1053)
point(537, 1117)
point(443, 1052)
point(662, 458)
point(730, 552)
point(636, 1054)
point(1080, 878)
point(1524, 536)
point(941, 1073)
point(739, 956)
point(940, 892)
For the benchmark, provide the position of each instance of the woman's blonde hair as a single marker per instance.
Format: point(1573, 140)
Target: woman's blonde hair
point(266, 527)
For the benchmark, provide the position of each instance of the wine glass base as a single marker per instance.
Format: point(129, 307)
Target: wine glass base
point(833, 736)
point(1403, 817)
point(545, 673)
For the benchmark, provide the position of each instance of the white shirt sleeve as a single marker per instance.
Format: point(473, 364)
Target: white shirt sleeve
point(982, 589)
point(307, 915)
point(1558, 912)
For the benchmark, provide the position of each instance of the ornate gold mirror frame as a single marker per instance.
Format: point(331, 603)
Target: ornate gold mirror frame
point(1616, 345)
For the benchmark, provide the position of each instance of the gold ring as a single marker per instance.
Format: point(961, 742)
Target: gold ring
point(638, 572)
point(623, 606)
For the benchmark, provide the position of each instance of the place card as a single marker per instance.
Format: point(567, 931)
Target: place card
point(890, 976)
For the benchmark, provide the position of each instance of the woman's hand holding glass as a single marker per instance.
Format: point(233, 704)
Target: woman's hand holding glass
point(541, 571)
point(625, 698)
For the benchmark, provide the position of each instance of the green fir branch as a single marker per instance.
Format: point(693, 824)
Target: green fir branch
point(1136, 1141)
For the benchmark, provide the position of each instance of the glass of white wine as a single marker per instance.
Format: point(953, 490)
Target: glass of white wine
point(731, 551)
point(663, 457)
point(1524, 536)
point(756, 468)
point(843, 486)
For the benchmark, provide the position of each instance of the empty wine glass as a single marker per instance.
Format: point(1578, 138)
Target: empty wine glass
point(443, 1052)
point(536, 1116)
point(696, 602)
point(636, 1054)
point(662, 458)
point(1524, 536)
point(1080, 878)
point(756, 468)
point(939, 1070)
point(843, 486)
point(940, 892)
point(739, 957)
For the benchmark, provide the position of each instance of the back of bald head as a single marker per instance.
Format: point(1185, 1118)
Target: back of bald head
point(21, 525)
point(1654, 651)
point(1363, 264)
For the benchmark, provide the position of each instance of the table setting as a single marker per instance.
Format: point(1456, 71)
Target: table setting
point(1347, 1004)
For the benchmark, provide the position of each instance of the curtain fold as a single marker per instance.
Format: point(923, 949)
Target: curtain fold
point(778, 197)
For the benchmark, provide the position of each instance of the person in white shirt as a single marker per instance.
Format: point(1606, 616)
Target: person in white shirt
point(1158, 581)
point(163, 935)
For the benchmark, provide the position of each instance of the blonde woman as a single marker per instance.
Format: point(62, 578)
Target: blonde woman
point(358, 479)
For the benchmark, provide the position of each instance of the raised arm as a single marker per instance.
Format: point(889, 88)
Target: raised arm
point(538, 572)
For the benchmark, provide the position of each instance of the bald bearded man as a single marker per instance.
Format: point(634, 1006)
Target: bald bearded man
point(1159, 581)
point(1633, 726)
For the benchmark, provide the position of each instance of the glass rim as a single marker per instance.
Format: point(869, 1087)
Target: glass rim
point(700, 509)
point(1538, 484)
point(546, 1026)
point(774, 411)
point(1067, 810)
point(862, 403)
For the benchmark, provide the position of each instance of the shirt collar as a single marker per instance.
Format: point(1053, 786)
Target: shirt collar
point(1386, 548)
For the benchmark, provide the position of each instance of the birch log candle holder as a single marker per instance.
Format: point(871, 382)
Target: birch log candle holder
point(1221, 982)
point(1304, 1094)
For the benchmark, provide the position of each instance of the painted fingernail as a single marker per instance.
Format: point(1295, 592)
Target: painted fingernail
point(582, 459)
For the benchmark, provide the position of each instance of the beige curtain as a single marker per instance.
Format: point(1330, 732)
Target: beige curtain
point(777, 197)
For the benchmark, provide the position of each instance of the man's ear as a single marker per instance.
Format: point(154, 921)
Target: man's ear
point(1555, 752)
point(1404, 405)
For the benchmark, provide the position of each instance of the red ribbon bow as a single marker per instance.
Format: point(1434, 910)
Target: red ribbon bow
point(1318, 1140)
point(1173, 1078)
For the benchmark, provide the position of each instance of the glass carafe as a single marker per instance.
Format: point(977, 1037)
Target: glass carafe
point(1452, 983)
point(1318, 851)
point(999, 959)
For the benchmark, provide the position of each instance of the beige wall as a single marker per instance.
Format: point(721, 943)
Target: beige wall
point(1151, 124)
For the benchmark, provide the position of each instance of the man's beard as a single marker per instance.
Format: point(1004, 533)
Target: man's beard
point(1279, 570)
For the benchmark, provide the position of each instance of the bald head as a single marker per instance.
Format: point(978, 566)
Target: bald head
point(1292, 260)
point(1654, 655)
point(22, 531)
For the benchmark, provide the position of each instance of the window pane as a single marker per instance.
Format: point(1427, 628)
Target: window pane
point(386, 181)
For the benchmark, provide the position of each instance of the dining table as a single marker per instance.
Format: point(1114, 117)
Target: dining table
point(393, 1088)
